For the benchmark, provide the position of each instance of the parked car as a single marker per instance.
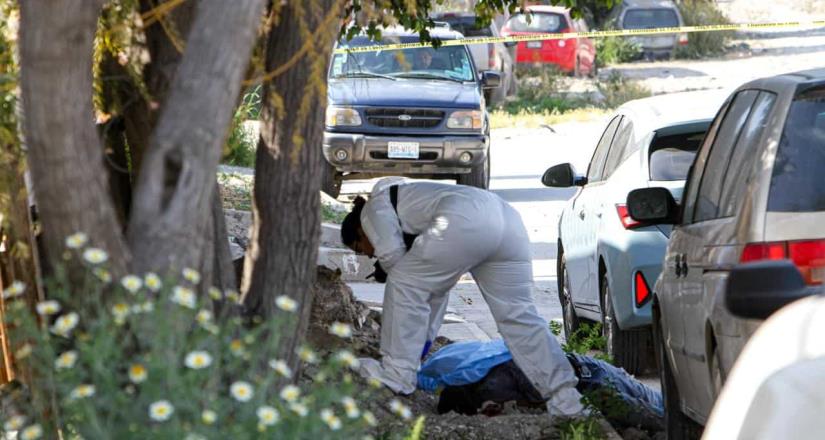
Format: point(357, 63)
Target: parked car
point(571, 55)
point(414, 112)
point(649, 14)
point(487, 56)
point(754, 193)
point(606, 261)
point(776, 386)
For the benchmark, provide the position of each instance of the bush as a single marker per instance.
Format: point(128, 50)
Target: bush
point(151, 361)
point(614, 50)
point(538, 92)
point(617, 90)
point(703, 44)
point(240, 146)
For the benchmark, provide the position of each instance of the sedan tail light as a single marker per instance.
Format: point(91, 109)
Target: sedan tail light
point(808, 256)
point(683, 39)
point(642, 290)
point(491, 56)
point(624, 217)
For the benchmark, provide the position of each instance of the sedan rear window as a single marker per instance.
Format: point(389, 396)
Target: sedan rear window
point(467, 26)
point(672, 156)
point(800, 160)
point(650, 18)
point(538, 22)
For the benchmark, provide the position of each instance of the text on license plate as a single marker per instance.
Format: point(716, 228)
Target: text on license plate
point(534, 44)
point(402, 150)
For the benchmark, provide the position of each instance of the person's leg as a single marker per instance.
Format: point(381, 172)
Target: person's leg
point(506, 281)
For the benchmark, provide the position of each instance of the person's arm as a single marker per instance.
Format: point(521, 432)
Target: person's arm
point(381, 225)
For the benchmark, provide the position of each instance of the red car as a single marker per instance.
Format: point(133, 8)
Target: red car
point(572, 55)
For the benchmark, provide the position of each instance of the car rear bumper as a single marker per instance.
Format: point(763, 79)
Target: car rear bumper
point(437, 154)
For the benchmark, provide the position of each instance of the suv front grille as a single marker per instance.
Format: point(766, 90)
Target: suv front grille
point(404, 118)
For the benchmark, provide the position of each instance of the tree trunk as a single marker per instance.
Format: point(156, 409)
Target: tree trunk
point(65, 153)
point(176, 183)
point(283, 254)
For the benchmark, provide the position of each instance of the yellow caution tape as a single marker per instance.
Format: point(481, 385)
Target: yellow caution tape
point(594, 34)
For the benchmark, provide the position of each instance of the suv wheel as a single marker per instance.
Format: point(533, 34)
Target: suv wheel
point(679, 426)
point(479, 177)
point(571, 321)
point(627, 348)
point(331, 180)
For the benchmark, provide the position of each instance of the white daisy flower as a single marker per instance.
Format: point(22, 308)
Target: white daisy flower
point(340, 329)
point(400, 409)
point(64, 325)
point(16, 289)
point(198, 360)
point(95, 255)
point(161, 411)
point(268, 415)
point(236, 348)
point(290, 393)
point(286, 303)
point(76, 240)
point(330, 419)
point(82, 391)
point(299, 408)
point(280, 367)
point(184, 296)
point(307, 355)
point(32, 432)
point(370, 418)
point(48, 308)
point(66, 360)
point(131, 283)
point(242, 391)
point(191, 275)
point(102, 274)
point(14, 423)
point(203, 317)
point(137, 373)
point(208, 416)
point(348, 359)
point(351, 407)
point(232, 295)
point(152, 281)
point(121, 310)
point(215, 293)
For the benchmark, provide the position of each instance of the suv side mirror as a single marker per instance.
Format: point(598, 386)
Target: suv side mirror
point(562, 176)
point(756, 290)
point(490, 79)
point(653, 206)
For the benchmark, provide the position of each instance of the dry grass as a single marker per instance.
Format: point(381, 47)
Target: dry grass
point(525, 119)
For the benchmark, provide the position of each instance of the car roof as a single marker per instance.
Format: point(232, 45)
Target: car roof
point(658, 112)
point(788, 82)
point(437, 32)
point(626, 4)
point(545, 8)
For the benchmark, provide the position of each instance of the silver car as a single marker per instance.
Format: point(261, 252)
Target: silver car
point(607, 262)
point(754, 193)
point(648, 14)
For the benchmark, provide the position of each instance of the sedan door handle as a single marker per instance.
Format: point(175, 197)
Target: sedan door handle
point(581, 214)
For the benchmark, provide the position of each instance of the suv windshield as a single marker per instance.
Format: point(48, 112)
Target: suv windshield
point(538, 22)
point(450, 63)
point(671, 156)
point(800, 160)
point(650, 18)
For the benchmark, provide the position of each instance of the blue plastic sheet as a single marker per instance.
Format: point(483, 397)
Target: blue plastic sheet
point(461, 363)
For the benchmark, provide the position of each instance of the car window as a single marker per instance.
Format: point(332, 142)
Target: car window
point(744, 155)
point(540, 22)
point(466, 25)
point(594, 171)
point(650, 18)
point(622, 142)
point(707, 203)
point(796, 182)
point(697, 169)
point(671, 156)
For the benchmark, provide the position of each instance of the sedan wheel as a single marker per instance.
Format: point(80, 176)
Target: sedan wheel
point(627, 348)
point(571, 321)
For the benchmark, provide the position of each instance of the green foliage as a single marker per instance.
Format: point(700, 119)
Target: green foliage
point(617, 90)
point(330, 215)
point(152, 361)
point(236, 191)
point(417, 429)
point(703, 44)
point(240, 146)
point(586, 428)
point(615, 50)
point(539, 92)
point(587, 338)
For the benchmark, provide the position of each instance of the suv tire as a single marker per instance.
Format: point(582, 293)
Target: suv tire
point(627, 348)
point(571, 321)
point(479, 177)
point(331, 180)
point(678, 425)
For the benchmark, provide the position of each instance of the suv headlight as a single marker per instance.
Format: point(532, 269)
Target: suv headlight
point(342, 116)
point(470, 119)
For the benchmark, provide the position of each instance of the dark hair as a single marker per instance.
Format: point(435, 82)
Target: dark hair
point(352, 222)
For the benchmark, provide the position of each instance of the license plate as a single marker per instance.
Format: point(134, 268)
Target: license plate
point(402, 150)
point(534, 44)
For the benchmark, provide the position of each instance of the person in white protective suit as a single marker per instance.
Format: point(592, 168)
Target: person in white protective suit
point(459, 229)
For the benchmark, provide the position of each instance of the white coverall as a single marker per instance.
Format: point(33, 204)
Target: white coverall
point(459, 229)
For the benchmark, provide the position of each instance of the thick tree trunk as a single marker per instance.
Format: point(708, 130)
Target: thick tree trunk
point(284, 246)
point(176, 183)
point(65, 154)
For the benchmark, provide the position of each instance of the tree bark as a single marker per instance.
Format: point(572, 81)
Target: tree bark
point(176, 183)
point(283, 253)
point(65, 153)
